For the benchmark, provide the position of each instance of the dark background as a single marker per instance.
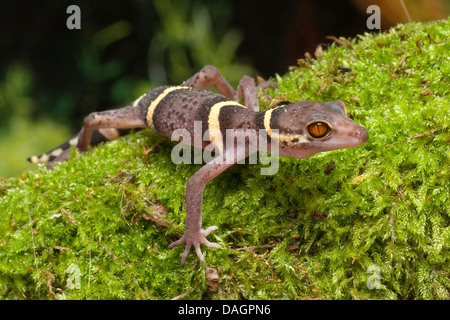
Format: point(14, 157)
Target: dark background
point(51, 77)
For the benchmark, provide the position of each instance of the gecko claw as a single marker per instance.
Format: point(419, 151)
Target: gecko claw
point(194, 239)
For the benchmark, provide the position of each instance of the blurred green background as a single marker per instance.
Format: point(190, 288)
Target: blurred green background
point(51, 77)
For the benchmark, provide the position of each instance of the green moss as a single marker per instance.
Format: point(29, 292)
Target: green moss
point(301, 233)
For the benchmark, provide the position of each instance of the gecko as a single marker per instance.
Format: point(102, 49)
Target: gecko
point(298, 130)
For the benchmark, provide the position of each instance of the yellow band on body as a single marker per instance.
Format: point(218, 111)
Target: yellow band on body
point(215, 133)
point(154, 104)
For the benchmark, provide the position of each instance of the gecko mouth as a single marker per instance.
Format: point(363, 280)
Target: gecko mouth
point(357, 138)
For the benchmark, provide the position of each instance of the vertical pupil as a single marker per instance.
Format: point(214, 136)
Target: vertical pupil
point(318, 129)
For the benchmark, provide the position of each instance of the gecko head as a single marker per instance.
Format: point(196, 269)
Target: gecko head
point(304, 128)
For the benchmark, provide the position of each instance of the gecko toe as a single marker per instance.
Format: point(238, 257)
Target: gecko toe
point(209, 230)
point(212, 244)
point(185, 254)
point(195, 239)
point(199, 253)
point(177, 243)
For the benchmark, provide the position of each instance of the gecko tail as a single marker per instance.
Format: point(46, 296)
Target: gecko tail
point(54, 153)
point(62, 151)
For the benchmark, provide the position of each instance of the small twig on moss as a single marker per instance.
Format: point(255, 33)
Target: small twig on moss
point(147, 151)
point(69, 215)
point(157, 219)
point(253, 248)
point(343, 42)
point(308, 298)
point(420, 135)
point(109, 252)
point(50, 279)
point(401, 65)
point(179, 297)
point(61, 248)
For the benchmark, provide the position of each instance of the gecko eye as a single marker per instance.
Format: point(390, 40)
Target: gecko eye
point(318, 129)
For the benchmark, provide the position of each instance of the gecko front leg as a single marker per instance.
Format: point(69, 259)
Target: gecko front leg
point(194, 235)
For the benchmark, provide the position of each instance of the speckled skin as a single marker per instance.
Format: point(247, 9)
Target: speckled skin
point(181, 108)
point(300, 129)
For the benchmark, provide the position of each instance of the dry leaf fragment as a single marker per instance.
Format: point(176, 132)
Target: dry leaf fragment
point(427, 92)
point(319, 52)
point(212, 278)
point(401, 65)
point(69, 215)
point(308, 56)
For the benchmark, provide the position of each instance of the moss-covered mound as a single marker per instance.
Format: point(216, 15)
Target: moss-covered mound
point(377, 226)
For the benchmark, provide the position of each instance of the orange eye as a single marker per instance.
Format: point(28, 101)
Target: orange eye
point(318, 129)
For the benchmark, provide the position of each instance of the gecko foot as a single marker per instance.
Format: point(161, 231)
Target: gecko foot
point(194, 239)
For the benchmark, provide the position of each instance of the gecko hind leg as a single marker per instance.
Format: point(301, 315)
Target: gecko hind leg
point(124, 118)
point(210, 76)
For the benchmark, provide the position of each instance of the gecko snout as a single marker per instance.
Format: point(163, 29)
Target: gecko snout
point(363, 134)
